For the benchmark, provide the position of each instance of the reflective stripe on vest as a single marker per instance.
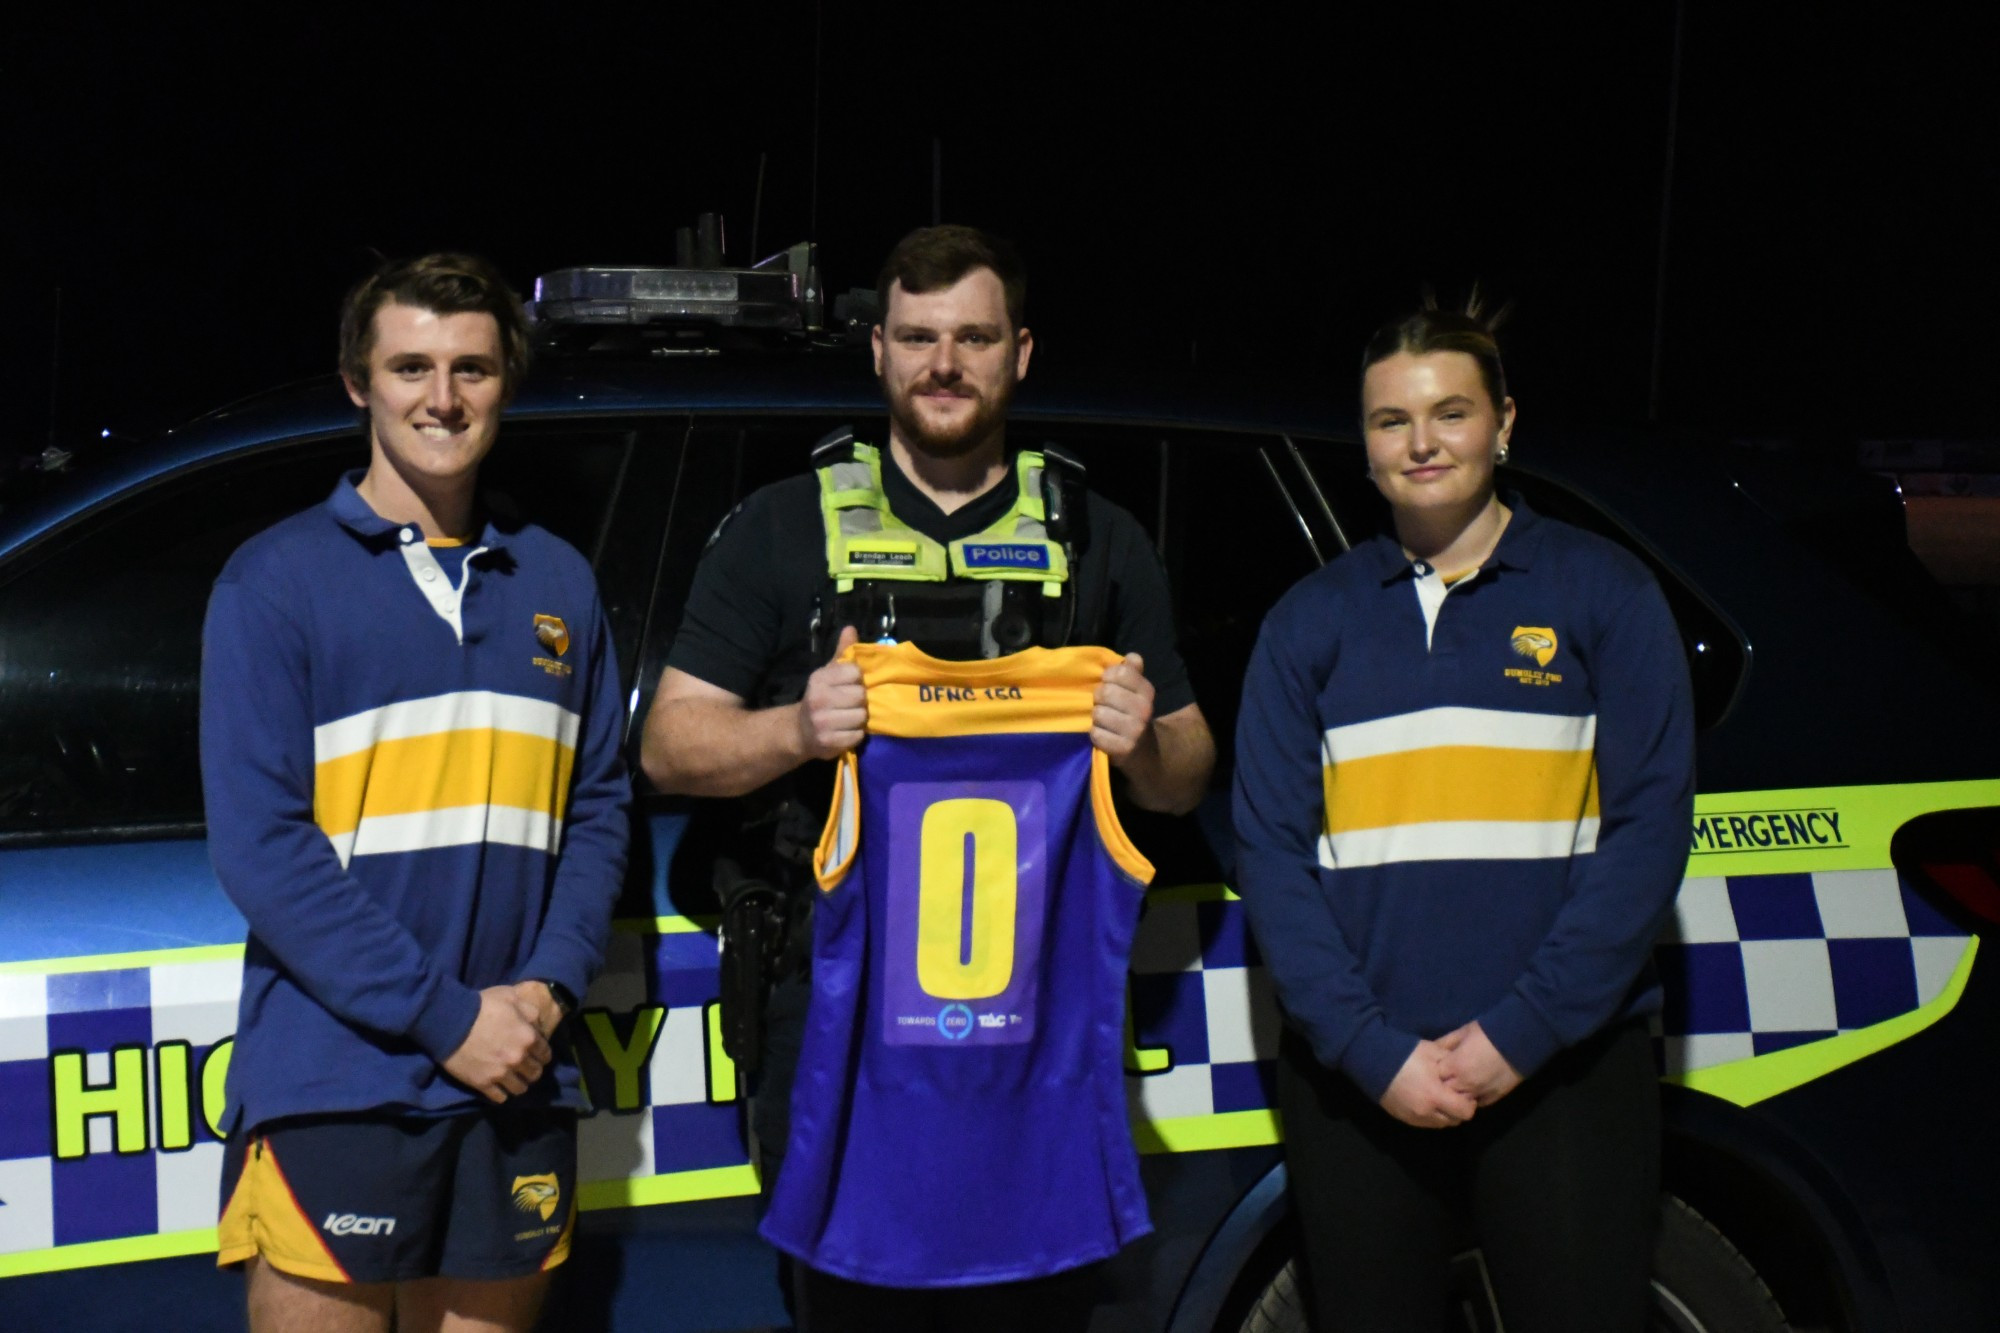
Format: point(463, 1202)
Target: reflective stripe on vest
point(865, 541)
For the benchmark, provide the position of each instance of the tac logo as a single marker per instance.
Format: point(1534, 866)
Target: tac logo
point(537, 1194)
point(347, 1224)
point(1535, 641)
point(552, 634)
point(955, 1022)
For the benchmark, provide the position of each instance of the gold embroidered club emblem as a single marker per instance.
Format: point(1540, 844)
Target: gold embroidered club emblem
point(537, 1194)
point(1535, 641)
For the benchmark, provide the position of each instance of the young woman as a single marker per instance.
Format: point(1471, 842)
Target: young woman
point(1464, 782)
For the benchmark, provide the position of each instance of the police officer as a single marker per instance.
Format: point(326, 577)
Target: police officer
point(948, 538)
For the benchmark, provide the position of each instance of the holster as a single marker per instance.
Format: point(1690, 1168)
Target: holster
point(766, 929)
point(754, 913)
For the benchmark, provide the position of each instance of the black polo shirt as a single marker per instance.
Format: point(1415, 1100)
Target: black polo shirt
point(748, 620)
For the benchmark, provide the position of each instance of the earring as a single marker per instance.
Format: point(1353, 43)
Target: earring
point(1500, 454)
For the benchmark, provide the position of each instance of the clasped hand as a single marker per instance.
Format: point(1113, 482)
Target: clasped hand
point(508, 1047)
point(1445, 1081)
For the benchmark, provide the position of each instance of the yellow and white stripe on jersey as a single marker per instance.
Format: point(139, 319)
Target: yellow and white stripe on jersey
point(467, 767)
point(1451, 784)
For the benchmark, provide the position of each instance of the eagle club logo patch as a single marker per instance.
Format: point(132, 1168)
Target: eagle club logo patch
point(552, 634)
point(537, 1194)
point(1538, 644)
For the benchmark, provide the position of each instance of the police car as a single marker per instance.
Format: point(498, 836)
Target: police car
point(1827, 1045)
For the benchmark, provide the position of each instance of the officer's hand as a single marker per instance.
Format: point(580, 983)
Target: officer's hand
point(833, 715)
point(1124, 709)
point(1419, 1095)
point(1473, 1065)
point(503, 1053)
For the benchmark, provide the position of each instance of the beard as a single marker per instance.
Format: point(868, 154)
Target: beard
point(952, 441)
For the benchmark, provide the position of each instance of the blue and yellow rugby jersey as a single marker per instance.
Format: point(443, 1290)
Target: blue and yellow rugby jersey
point(414, 791)
point(959, 1115)
point(1464, 802)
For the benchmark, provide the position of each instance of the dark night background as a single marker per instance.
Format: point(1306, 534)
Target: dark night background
point(1250, 191)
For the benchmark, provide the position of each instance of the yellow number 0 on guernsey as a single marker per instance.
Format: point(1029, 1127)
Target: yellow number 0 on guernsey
point(945, 967)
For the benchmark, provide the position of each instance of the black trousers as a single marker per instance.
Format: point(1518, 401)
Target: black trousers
point(1558, 1183)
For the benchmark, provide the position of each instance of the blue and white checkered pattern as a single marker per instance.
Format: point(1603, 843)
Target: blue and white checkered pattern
point(678, 1128)
point(1758, 963)
point(1200, 993)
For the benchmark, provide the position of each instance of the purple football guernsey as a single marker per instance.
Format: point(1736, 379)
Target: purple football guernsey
point(959, 1114)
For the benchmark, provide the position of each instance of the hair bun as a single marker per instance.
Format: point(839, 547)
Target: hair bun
point(1476, 309)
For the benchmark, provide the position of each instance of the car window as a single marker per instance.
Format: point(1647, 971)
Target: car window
point(1715, 652)
point(100, 630)
point(1235, 543)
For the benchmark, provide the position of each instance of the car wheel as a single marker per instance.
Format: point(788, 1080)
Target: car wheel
point(1701, 1284)
point(1280, 1307)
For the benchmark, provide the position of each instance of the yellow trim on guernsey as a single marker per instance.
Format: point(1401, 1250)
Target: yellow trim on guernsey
point(1118, 844)
point(912, 694)
point(841, 837)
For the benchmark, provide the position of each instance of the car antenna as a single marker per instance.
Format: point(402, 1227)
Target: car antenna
point(812, 212)
point(757, 205)
point(55, 368)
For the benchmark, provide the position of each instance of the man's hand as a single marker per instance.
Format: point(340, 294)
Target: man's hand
point(833, 715)
point(539, 1002)
point(504, 1052)
point(1474, 1066)
point(1121, 722)
point(1419, 1096)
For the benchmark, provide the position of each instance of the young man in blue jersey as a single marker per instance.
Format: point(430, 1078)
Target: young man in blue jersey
point(753, 700)
point(415, 794)
point(1465, 771)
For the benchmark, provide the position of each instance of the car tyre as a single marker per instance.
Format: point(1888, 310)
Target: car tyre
point(1701, 1284)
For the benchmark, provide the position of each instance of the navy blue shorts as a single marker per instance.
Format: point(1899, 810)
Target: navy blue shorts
point(378, 1198)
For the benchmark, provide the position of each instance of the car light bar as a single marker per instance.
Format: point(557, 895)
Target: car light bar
point(618, 295)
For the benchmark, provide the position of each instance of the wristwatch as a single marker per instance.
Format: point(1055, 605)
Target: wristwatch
point(564, 997)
